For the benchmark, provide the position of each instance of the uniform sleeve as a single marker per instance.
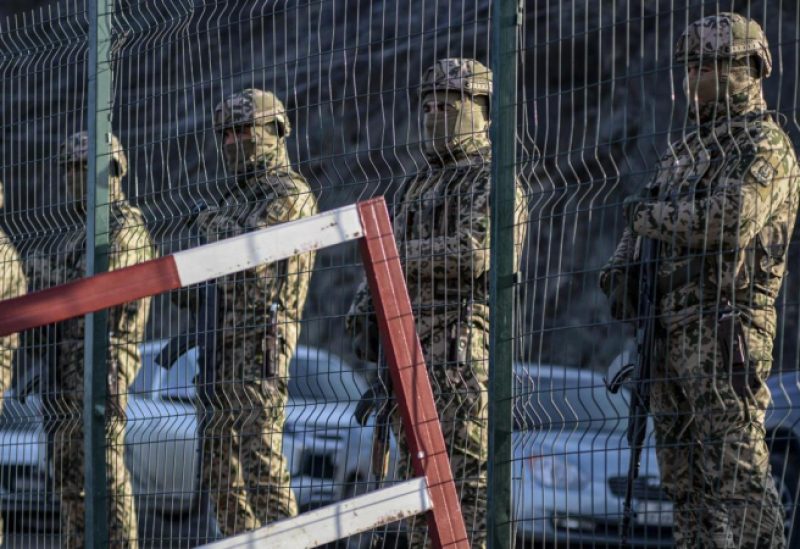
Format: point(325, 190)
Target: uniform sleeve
point(286, 282)
point(361, 325)
point(183, 236)
point(40, 273)
point(282, 209)
point(131, 245)
point(620, 262)
point(737, 209)
point(619, 278)
point(462, 253)
point(14, 284)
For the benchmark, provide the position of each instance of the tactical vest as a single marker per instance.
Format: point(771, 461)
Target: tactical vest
point(749, 274)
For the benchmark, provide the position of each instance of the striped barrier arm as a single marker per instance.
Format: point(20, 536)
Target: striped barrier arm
point(434, 493)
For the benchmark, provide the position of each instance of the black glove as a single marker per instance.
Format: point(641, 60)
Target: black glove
point(374, 399)
point(366, 343)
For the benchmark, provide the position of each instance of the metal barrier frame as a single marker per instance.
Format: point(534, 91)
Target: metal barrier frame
point(434, 493)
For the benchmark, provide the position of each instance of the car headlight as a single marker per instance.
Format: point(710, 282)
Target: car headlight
point(557, 472)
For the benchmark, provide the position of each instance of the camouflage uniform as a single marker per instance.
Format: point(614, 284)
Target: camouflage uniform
point(722, 207)
point(259, 321)
point(441, 224)
point(64, 260)
point(13, 285)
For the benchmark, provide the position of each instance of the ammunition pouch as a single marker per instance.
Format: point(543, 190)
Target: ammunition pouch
point(271, 344)
point(734, 352)
point(458, 339)
point(693, 271)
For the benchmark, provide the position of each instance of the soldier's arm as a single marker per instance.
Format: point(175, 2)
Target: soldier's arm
point(738, 208)
point(283, 208)
point(361, 324)
point(620, 263)
point(520, 224)
point(130, 245)
point(40, 273)
point(184, 234)
point(13, 284)
point(462, 254)
point(619, 278)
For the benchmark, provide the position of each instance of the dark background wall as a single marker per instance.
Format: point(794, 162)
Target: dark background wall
point(598, 97)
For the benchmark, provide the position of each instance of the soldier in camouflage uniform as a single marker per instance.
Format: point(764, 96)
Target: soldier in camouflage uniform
point(441, 224)
point(721, 208)
point(61, 260)
point(259, 319)
point(13, 285)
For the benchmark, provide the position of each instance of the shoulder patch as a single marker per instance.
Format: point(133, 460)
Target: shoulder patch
point(762, 171)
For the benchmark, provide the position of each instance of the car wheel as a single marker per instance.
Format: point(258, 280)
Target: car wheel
point(786, 473)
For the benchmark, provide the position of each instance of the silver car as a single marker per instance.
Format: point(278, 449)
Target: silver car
point(571, 462)
point(328, 452)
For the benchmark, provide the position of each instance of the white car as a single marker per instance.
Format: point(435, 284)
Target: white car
point(571, 463)
point(327, 451)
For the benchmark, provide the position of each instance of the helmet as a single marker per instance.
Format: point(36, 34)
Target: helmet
point(251, 107)
point(460, 74)
point(726, 35)
point(76, 149)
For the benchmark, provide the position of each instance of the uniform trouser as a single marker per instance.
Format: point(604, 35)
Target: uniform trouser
point(243, 465)
point(709, 424)
point(460, 383)
point(64, 422)
point(6, 358)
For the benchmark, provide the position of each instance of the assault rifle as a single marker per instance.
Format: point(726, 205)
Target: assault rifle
point(637, 373)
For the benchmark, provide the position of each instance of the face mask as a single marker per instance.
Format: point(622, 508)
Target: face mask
point(263, 148)
point(75, 185)
point(731, 89)
point(703, 87)
point(271, 150)
point(239, 154)
point(456, 121)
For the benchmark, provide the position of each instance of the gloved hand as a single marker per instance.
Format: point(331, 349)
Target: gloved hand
point(621, 293)
point(632, 203)
point(374, 399)
point(366, 341)
point(631, 206)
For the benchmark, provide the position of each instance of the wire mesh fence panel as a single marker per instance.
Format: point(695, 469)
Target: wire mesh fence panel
point(44, 55)
point(519, 146)
point(665, 147)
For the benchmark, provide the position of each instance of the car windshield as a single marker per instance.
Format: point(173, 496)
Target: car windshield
point(552, 401)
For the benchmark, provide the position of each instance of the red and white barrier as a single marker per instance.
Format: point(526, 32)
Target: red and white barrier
point(368, 221)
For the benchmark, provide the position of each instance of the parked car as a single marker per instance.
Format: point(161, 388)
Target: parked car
point(328, 452)
point(571, 460)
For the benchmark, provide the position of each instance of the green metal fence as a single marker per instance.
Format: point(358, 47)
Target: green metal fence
point(201, 414)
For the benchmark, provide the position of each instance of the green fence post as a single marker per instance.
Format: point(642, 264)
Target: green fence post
point(98, 126)
point(505, 19)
